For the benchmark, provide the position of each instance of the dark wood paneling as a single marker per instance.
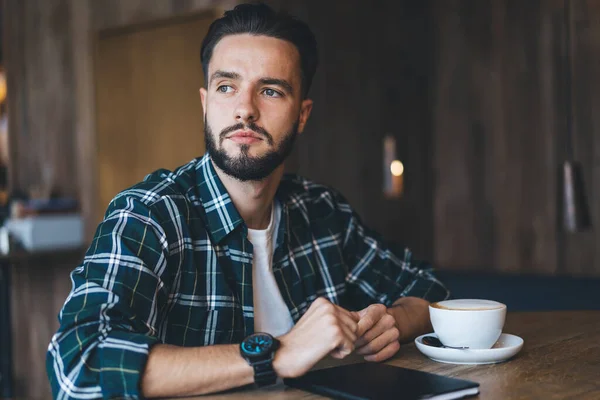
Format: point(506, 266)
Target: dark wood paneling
point(499, 134)
point(84, 112)
point(39, 62)
point(373, 80)
point(457, 141)
point(581, 254)
point(587, 24)
point(108, 14)
point(40, 288)
point(13, 42)
point(42, 143)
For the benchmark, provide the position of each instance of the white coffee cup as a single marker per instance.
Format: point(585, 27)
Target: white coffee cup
point(472, 323)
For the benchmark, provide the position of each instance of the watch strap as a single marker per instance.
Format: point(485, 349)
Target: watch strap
point(263, 372)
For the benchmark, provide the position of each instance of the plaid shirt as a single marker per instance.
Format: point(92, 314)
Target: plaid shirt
point(171, 263)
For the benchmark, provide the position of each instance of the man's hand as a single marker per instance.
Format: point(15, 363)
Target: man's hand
point(324, 329)
point(377, 333)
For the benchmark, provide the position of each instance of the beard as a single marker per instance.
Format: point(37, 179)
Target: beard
point(245, 167)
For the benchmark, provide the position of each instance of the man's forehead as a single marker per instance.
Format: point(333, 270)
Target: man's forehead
point(255, 55)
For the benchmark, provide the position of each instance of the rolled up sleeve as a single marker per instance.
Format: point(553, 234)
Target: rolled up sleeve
point(109, 321)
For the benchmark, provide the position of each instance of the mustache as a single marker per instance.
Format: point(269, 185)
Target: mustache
point(250, 126)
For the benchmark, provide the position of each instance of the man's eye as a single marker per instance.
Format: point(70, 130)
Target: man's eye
point(272, 93)
point(224, 88)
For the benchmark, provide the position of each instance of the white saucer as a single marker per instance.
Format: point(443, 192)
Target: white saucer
point(506, 347)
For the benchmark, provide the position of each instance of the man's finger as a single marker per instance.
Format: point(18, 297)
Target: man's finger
point(365, 323)
point(349, 333)
point(351, 314)
point(387, 352)
point(346, 347)
point(369, 317)
point(349, 323)
point(384, 323)
point(377, 344)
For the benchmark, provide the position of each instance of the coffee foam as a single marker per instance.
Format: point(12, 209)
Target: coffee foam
point(468, 305)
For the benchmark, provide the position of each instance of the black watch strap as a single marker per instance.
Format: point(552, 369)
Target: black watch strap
point(263, 373)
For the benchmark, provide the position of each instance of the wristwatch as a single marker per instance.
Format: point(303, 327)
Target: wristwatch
point(259, 350)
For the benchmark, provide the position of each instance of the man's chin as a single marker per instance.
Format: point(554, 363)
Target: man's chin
point(241, 153)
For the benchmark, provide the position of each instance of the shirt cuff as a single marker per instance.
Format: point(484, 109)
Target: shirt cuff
point(123, 358)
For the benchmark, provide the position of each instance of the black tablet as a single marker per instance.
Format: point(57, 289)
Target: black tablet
point(381, 381)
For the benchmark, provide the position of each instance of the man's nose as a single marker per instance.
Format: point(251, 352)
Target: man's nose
point(246, 109)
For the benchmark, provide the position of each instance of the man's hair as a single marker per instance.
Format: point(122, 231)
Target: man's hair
point(261, 20)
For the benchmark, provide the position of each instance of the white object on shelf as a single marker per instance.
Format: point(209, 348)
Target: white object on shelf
point(4, 242)
point(47, 232)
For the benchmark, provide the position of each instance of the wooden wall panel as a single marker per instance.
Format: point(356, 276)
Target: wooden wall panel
point(499, 135)
point(372, 80)
point(580, 251)
point(453, 210)
point(40, 287)
point(588, 12)
point(109, 14)
point(84, 110)
point(41, 118)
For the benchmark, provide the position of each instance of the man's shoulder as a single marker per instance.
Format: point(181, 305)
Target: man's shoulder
point(317, 199)
point(177, 187)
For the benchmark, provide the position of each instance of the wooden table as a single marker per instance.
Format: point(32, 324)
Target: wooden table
point(560, 360)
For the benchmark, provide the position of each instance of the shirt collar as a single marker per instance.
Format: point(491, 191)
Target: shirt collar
point(221, 215)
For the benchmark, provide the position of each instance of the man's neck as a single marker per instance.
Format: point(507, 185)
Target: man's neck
point(253, 199)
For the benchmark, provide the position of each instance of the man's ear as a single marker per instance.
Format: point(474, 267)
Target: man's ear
point(203, 93)
point(305, 110)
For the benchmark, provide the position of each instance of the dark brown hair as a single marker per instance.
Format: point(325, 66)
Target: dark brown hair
point(261, 20)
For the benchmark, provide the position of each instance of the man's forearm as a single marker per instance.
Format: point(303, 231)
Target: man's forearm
point(179, 371)
point(412, 317)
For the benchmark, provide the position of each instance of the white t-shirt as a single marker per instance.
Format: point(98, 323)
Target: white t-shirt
point(271, 314)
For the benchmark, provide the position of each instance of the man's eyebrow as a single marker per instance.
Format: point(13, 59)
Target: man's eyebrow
point(224, 74)
point(279, 82)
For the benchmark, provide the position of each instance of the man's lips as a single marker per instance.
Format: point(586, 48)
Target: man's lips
point(245, 137)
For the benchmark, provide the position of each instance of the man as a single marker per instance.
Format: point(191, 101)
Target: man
point(188, 265)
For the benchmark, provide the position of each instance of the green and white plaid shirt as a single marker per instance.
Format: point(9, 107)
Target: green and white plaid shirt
point(171, 263)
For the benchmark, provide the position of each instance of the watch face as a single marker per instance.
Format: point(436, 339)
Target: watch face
point(257, 344)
